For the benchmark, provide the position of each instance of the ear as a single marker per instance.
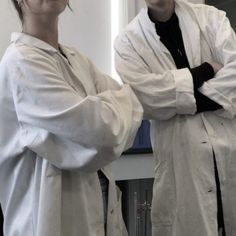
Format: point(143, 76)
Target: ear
point(19, 2)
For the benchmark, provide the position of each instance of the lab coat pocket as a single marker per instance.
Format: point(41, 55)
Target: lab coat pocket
point(163, 203)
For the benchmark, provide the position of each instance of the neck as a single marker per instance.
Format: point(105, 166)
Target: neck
point(161, 12)
point(43, 29)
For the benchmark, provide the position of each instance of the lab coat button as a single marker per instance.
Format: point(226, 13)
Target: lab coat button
point(210, 190)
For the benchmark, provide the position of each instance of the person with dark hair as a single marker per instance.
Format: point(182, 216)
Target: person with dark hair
point(62, 123)
point(180, 60)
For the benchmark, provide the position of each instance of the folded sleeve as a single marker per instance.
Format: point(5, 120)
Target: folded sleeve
point(163, 95)
point(70, 131)
point(222, 41)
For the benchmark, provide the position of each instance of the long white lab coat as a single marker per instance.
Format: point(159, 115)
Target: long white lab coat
point(59, 124)
point(184, 201)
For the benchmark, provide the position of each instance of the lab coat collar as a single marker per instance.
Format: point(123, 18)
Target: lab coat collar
point(33, 41)
point(149, 26)
point(192, 46)
point(147, 23)
point(190, 32)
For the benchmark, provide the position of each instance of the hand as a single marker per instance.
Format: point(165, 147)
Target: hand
point(216, 66)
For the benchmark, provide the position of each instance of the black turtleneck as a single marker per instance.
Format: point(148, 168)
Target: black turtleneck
point(171, 36)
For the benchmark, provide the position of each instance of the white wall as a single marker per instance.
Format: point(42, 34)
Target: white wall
point(88, 28)
point(8, 23)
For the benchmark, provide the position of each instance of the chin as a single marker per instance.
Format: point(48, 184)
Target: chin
point(57, 7)
point(159, 2)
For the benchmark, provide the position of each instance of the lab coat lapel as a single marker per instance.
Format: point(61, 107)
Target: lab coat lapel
point(114, 214)
point(149, 30)
point(49, 211)
point(75, 72)
point(192, 39)
point(153, 42)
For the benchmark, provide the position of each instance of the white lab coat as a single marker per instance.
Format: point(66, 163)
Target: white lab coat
point(184, 193)
point(59, 124)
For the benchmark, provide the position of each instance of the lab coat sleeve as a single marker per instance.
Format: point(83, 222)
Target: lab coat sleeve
point(222, 41)
point(102, 81)
point(70, 131)
point(162, 95)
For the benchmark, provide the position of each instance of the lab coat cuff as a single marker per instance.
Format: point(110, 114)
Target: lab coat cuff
point(229, 109)
point(185, 100)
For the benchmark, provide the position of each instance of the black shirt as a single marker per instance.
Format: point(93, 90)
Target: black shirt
point(171, 36)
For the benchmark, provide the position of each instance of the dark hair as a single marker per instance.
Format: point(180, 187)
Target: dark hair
point(19, 11)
